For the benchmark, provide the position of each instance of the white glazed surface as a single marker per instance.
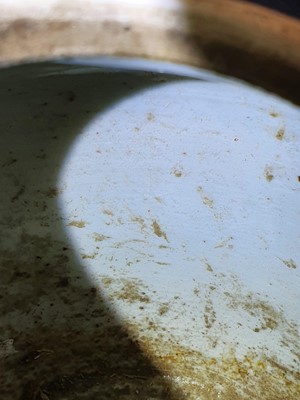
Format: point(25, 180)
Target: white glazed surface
point(180, 198)
point(195, 157)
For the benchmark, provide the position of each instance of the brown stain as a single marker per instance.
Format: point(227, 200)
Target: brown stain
point(250, 376)
point(9, 162)
point(131, 292)
point(177, 173)
point(104, 363)
point(269, 323)
point(52, 192)
point(107, 281)
point(89, 256)
point(209, 314)
point(228, 377)
point(208, 267)
point(108, 212)
point(274, 114)
point(290, 263)
point(280, 134)
point(198, 376)
point(208, 202)
point(100, 238)
point(150, 116)
point(269, 317)
point(224, 243)
point(205, 199)
point(19, 193)
point(268, 172)
point(85, 352)
point(158, 231)
point(97, 357)
point(140, 221)
point(77, 224)
point(163, 309)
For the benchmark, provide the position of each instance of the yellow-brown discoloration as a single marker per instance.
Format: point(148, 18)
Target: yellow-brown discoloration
point(208, 267)
point(209, 314)
point(158, 199)
point(205, 199)
point(274, 114)
point(78, 224)
point(158, 231)
point(177, 172)
point(52, 192)
point(290, 263)
point(269, 174)
point(163, 309)
point(280, 134)
point(107, 281)
point(224, 243)
point(261, 310)
point(139, 220)
point(131, 292)
point(150, 116)
point(227, 377)
point(108, 212)
point(99, 238)
point(89, 256)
